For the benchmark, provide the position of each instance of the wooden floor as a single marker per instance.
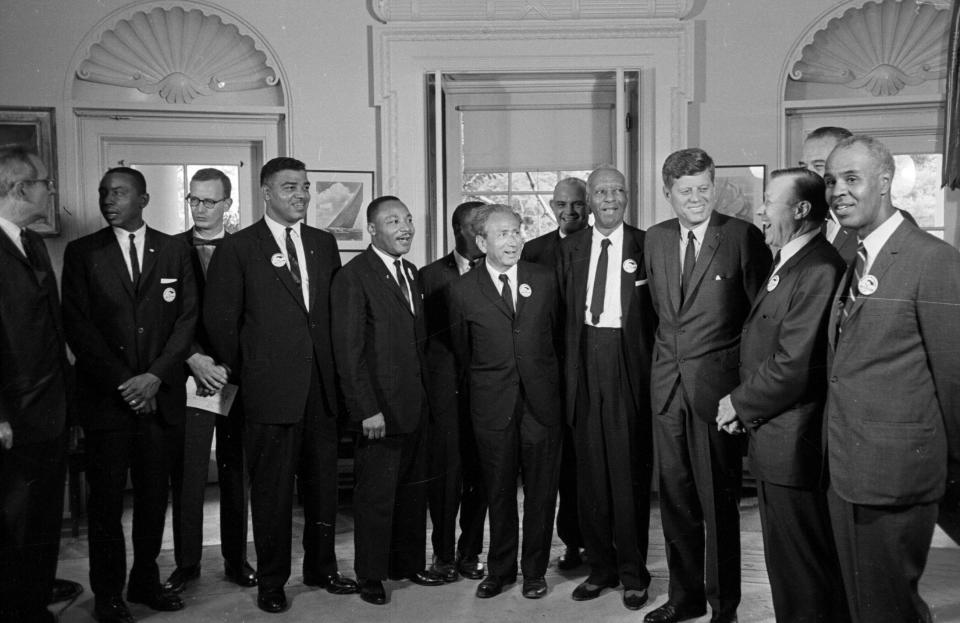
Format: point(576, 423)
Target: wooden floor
point(213, 599)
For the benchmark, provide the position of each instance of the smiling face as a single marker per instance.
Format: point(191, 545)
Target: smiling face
point(692, 198)
point(569, 204)
point(392, 228)
point(287, 195)
point(858, 189)
point(607, 198)
point(121, 202)
point(780, 215)
point(501, 240)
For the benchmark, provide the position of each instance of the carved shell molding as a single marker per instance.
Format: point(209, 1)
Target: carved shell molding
point(880, 47)
point(457, 10)
point(177, 54)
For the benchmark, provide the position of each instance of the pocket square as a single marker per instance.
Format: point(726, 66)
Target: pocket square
point(719, 278)
point(168, 280)
point(641, 282)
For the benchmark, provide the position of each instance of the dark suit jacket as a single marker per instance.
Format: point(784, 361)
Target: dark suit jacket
point(783, 359)
point(502, 354)
point(117, 333)
point(441, 379)
point(379, 344)
point(542, 249)
point(893, 401)
point(700, 342)
point(638, 322)
point(33, 365)
point(845, 242)
point(259, 327)
point(201, 342)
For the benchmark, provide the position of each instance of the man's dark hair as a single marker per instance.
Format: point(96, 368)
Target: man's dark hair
point(807, 186)
point(830, 130)
point(211, 174)
point(15, 166)
point(374, 206)
point(463, 211)
point(139, 181)
point(692, 161)
point(279, 164)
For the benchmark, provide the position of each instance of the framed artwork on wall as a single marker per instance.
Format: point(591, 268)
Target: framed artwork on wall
point(339, 204)
point(739, 189)
point(34, 128)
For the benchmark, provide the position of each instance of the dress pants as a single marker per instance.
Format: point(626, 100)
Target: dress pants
point(146, 448)
point(390, 505)
point(568, 515)
point(801, 558)
point(189, 485)
point(31, 509)
point(701, 470)
point(531, 450)
point(883, 550)
point(277, 454)
point(456, 485)
point(614, 464)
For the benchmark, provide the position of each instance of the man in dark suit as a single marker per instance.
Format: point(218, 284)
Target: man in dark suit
point(505, 327)
point(609, 328)
point(893, 398)
point(379, 332)
point(267, 315)
point(705, 270)
point(129, 311)
point(783, 383)
point(208, 199)
point(456, 483)
point(569, 205)
point(33, 387)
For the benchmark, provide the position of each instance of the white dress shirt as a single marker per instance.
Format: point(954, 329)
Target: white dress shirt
point(873, 243)
point(793, 247)
point(389, 260)
point(279, 232)
point(611, 316)
point(511, 274)
point(140, 240)
point(699, 233)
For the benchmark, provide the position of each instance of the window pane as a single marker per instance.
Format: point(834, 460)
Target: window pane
point(580, 174)
point(535, 213)
point(533, 181)
point(484, 182)
point(916, 188)
point(167, 211)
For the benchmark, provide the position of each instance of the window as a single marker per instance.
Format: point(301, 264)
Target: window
point(916, 189)
point(169, 184)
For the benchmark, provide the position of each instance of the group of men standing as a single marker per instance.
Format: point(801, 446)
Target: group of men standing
point(563, 362)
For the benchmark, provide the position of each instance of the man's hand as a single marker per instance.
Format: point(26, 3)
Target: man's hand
point(210, 376)
point(148, 407)
point(375, 427)
point(727, 417)
point(137, 391)
point(6, 435)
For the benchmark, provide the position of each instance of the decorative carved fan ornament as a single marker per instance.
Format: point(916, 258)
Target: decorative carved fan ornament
point(177, 54)
point(880, 47)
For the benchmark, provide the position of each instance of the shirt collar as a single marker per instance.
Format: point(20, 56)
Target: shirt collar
point(700, 231)
point(124, 236)
point(511, 273)
point(278, 229)
point(463, 264)
point(879, 236)
point(11, 230)
point(386, 257)
point(216, 236)
point(615, 237)
point(793, 246)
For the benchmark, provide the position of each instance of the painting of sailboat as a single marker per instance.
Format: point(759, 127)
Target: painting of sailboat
point(340, 203)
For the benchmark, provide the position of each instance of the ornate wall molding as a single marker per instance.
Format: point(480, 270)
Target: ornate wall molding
point(880, 47)
point(178, 54)
point(494, 10)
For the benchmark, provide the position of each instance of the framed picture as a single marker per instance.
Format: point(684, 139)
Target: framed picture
point(340, 201)
point(34, 128)
point(739, 190)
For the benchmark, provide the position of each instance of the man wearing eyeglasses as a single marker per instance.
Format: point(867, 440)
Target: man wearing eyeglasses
point(209, 198)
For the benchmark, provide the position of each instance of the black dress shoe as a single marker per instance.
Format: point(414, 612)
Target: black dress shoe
point(371, 591)
point(446, 570)
point(112, 610)
point(426, 578)
point(634, 598)
point(589, 590)
point(569, 559)
point(242, 575)
point(64, 590)
point(155, 598)
point(491, 586)
point(180, 577)
point(534, 588)
point(716, 617)
point(671, 612)
point(471, 568)
point(271, 600)
point(334, 583)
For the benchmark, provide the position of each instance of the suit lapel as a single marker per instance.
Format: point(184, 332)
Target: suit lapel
point(881, 264)
point(7, 245)
point(711, 241)
point(671, 259)
point(312, 260)
point(269, 250)
point(522, 278)
point(385, 275)
point(627, 287)
point(112, 258)
point(581, 271)
point(151, 246)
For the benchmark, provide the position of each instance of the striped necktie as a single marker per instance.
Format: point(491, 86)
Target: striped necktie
point(854, 290)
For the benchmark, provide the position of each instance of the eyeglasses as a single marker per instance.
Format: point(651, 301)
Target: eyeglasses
point(209, 204)
point(50, 183)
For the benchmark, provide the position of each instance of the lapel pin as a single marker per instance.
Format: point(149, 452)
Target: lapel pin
point(629, 266)
point(277, 260)
point(169, 295)
point(868, 285)
point(773, 283)
point(525, 290)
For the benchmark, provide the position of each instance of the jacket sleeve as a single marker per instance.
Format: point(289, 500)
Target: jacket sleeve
point(349, 348)
point(223, 303)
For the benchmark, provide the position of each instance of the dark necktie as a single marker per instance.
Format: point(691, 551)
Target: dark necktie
point(134, 261)
point(506, 293)
point(775, 266)
point(599, 282)
point(293, 261)
point(29, 251)
point(689, 261)
point(204, 248)
point(854, 290)
point(403, 282)
point(473, 264)
point(202, 242)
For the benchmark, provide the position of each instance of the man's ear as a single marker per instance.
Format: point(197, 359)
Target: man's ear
point(802, 210)
point(481, 243)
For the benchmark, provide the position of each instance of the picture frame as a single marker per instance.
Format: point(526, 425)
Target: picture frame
point(35, 128)
point(339, 204)
point(739, 189)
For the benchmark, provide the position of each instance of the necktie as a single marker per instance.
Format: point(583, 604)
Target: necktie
point(689, 261)
point(134, 261)
point(29, 251)
point(506, 293)
point(775, 266)
point(202, 242)
point(472, 263)
point(293, 261)
point(599, 282)
point(854, 290)
point(402, 281)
